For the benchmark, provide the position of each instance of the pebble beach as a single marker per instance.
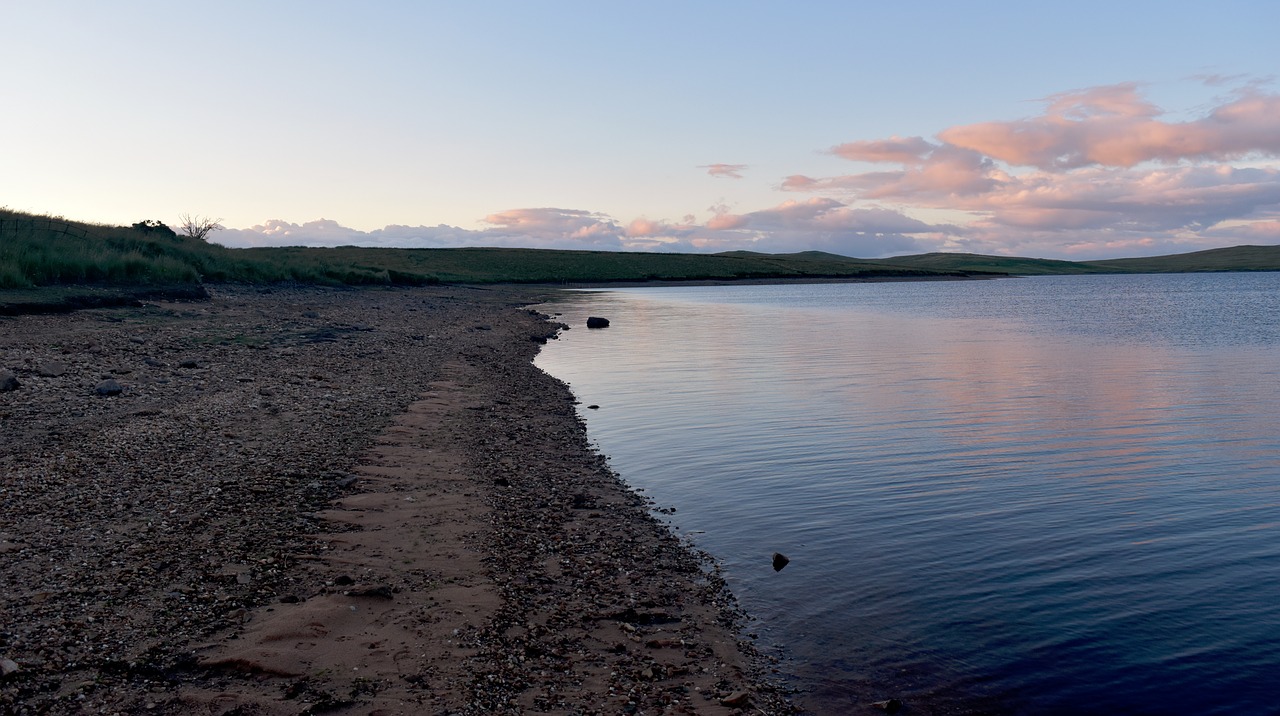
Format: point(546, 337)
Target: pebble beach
point(305, 500)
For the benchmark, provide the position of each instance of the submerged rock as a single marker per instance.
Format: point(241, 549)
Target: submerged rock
point(597, 322)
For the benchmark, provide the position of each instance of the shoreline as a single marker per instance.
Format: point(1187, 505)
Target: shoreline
point(63, 299)
point(349, 501)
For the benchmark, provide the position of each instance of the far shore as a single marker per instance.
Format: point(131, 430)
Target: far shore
point(656, 283)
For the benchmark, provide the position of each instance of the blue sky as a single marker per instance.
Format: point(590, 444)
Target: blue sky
point(1076, 130)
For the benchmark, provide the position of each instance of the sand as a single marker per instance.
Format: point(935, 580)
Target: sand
point(334, 501)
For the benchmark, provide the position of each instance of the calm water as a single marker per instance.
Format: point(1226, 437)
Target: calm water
point(1047, 495)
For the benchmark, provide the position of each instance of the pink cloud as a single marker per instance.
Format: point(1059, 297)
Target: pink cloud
point(1099, 173)
point(1115, 127)
point(1266, 231)
point(944, 172)
point(726, 171)
point(726, 222)
point(1096, 182)
point(902, 150)
point(646, 228)
point(547, 222)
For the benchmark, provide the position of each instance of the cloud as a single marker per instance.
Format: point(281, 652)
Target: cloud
point(1115, 127)
point(1097, 171)
point(583, 229)
point(725, 171)
point(326, 232)
point(1266, 231)
point(543, 227)
point(819, 223)
point(895, 149)
point(816, 223)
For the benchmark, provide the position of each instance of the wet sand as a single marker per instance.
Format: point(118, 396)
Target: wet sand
point(334, 501)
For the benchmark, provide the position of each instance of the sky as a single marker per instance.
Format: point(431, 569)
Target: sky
point(1074, 130)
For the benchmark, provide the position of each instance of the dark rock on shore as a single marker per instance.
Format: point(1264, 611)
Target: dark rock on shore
point(8, 381)
point(51, 369)
point(108, 387)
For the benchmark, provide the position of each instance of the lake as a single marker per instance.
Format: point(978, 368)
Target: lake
point(1038, 495)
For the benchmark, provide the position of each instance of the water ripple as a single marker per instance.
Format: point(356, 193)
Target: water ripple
point(1040, 496)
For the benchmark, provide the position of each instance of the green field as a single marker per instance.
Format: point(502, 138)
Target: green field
point(45, 251)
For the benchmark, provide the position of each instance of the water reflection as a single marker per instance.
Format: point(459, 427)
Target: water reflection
point(986, 501)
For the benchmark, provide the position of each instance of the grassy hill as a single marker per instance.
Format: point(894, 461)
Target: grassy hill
point(978, 264)
point(50, 251)
point(42, 251)
point(1236, 258)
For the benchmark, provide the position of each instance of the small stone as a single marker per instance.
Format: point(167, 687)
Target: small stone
point(189, 364)
point(736, 700)
point(593, 407)
point(8, 666)
point(8, 381)
point(597, 322)
point(779, 561)
point(137, 339)
point(347, 481)
point(891, 706)
point(344, 580)
point(108, 387)
point(52, 369)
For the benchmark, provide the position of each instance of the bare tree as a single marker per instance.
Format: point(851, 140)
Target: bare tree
point(198, 227)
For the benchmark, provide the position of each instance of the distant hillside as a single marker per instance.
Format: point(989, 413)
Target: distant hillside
point(37, 251)
point(52, 251)
point(1236, 258)
point(999, 265)
point(507, 265)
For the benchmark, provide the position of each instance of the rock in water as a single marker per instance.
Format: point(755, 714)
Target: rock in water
point(109, 387)
point(597, 322)
point(8, 381)
point(779, 561)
